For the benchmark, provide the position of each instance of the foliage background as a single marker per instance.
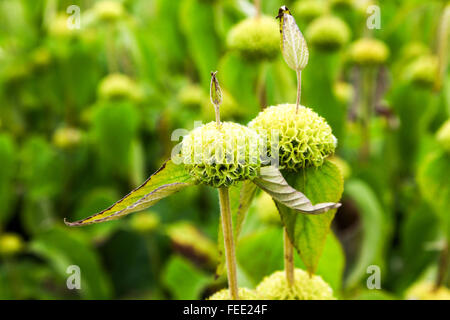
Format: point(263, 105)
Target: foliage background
point(75, 136)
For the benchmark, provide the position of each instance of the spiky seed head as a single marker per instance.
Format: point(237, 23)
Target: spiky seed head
point(305, 138)
point(255, 38)
point(368, 51)
point(244, 294)
point(328, 33)
point(305, 287)
point(219, 156)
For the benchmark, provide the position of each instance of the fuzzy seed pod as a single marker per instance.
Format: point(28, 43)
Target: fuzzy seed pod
point(443, 135)
point(108, 10)
point(422, 71)
point(310, 9)
point(427, 291)
point(305, 138)
point(328, 33)
point(367, 51)
point(219, 156)
point(244, 294)
point(116, 86)
point(305, 287)
point(66, 137)
point(255, 38)
point(10, 244)
point(266, 209)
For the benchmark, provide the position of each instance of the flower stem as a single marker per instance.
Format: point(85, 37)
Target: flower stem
point(299, 88)
point(227, 230)
point(288, 259)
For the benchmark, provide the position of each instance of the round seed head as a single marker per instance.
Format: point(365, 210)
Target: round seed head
point(255, 38)
point(305, 287)
point(244, 294)
point(328, 33)
point(367, 51)
point(117, 86)
point(221, 155)
point(108, 10)
point(305, 138)
point(310, 9)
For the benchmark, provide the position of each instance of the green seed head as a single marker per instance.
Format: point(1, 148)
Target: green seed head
point(244, 294)
point(422, 71)
point(310, 9)
point(193, 97)
point(305, 287)
point(108, 10)
point(443, 135)
point(10, 244)
point(221, 155)
point(328, 33)
point(305, 138)
point(255, 38)
point(119, 86)
point(367, 51)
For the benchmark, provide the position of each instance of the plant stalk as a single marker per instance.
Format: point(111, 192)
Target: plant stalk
point(227, 229)
point(288, 259)
point(299, 88)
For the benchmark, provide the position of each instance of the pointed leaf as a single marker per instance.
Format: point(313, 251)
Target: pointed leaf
point(272, 181)
point(293, 44)
point(308, 233)
point(170, 178)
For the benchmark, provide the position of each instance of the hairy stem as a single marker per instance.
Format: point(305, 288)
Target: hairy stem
point(227, 229)
point(299, 88)
point(288, 259)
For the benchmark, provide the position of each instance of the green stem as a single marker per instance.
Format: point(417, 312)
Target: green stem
point(227, 229)
point(368, 75)
point(299, 88)
point(288, 259)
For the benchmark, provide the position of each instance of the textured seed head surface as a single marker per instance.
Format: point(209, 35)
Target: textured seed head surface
point(305, 138)
point(221, 155)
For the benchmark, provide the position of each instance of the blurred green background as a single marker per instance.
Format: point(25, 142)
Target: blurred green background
point(87, 114)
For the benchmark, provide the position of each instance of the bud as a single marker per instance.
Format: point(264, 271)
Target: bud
point(10, 244)
point(328, 33)
point(305, 287)
point(443, 135)
point(367, 51)
point(244, 294)
point(220, 156)
point(255, 38)
point(305, 137)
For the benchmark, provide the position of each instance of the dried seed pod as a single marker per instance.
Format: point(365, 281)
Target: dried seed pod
point(305, 287)
point(305, 138)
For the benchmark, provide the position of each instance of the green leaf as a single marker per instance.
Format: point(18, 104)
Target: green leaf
point(435, 186)
point(293, 44)
point(63, 249)
point(184, 280)
point(272, 181)
point(308, 233)
point(373, 228)
point(170, 178)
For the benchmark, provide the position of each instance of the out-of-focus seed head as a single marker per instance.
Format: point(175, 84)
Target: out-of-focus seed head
point(193, 97)
point(10, 244)
point(422, 71)
point(443, 135)
point(305, 138)
point(328, 33)
point(109, 10)
point(244, 294)
point(219, 156)
point(427, 291)
point(67, 137)
point(344, 92)
point(119, 86)
point(367, 51)
point(310, 9)
point(255, 38)
point(305, 287)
